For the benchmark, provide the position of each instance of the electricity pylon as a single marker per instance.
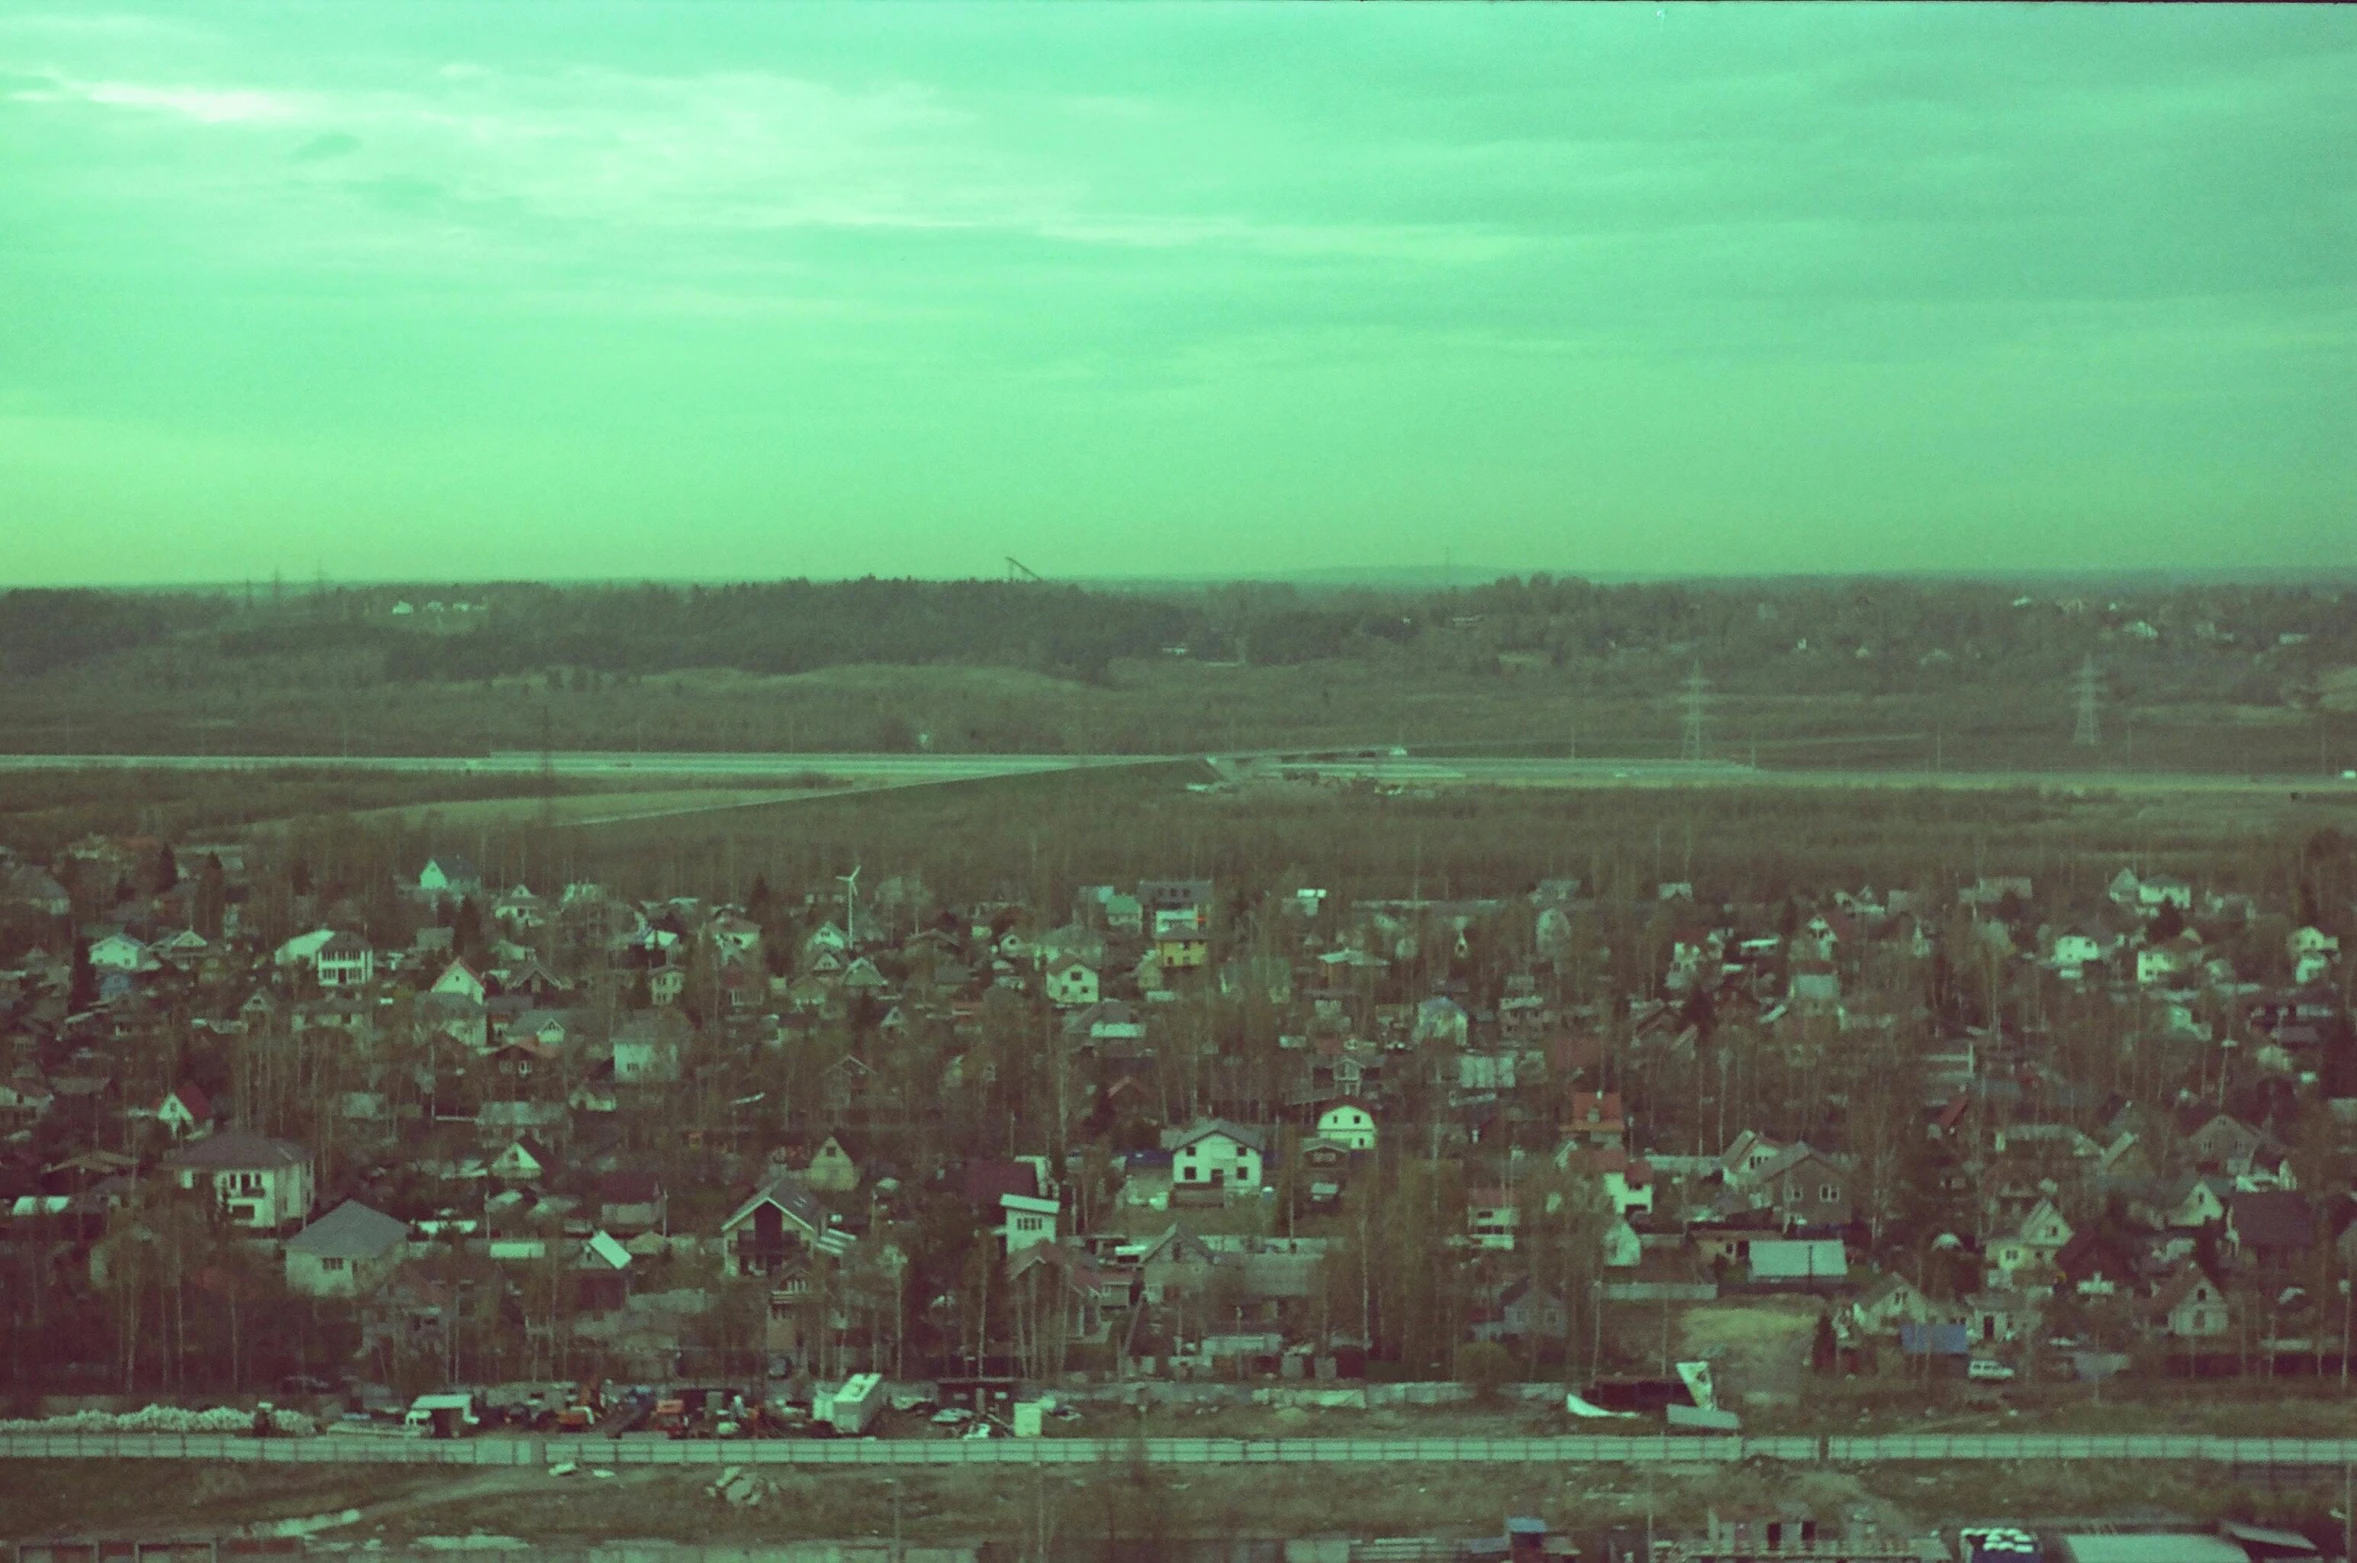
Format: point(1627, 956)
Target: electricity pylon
point(2089, 688)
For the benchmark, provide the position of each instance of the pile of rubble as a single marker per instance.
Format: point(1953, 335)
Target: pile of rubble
point(162, 1419)
point(740, 1487)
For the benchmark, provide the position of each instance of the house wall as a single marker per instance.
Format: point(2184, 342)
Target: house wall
point(315, 1275)
point(1235, 1165)
point(263, 1199)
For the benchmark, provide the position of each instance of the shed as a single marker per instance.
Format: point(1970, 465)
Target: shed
point(2159, 1547)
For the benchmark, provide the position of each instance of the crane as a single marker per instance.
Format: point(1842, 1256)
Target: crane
point(1017, 570)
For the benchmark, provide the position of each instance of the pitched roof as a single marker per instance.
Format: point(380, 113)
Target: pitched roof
point(985, 1183)
point(790, 1194)
point(236, 1150)
point(350, 1231)
point(1242, 1134)
point(2274, 1219)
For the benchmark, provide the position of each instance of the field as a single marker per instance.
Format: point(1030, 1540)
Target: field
point(395, 1505)
point(194, 701)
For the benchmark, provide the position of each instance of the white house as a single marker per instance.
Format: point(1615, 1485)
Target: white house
point(457, 981)
point(184, 1112)
point(345, 961)
point(2161, 890)
point(449, 875)
point(645, 1053)
point(1218, 1154)
point(261, 1184)
point(2074, 950)
point(345, 1252)
point(1348, 1124)
point(120, 952)
point(1071, 984)
point(1028, 1221)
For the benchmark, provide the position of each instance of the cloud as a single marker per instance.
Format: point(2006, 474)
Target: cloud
point(331, 144)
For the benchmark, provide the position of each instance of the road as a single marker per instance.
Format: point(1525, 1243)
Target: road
point(2333, 1453)
point(1406, 772)
point(1412, 772)
point(904, 769)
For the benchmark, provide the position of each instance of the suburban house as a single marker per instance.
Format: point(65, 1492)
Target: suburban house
point(345, 961)
point(2190, 1306)
point(2269, 1230)
point(1218, 1154)
point(185, 1112)
point(1801, 1184)
point(833, 1169)
point(1179, 914)
point(2031, 1242)
point(457, 981)
point(1350, 1125)
point(264, 1185)
point(629, 1203)
point(1027, 1222)
point(1597, 1120)
point(345, 1252)
point(449, 877)
point(777, 1227)
point(1071, 984)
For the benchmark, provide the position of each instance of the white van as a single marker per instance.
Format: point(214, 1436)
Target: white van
point(1988, 1369)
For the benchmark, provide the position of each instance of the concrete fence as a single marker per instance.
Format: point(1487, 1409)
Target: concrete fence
point(1655, 1449)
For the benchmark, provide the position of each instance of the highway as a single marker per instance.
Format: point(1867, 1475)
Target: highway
point(1657, 1449)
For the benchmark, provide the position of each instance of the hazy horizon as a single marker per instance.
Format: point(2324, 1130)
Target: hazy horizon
point(421, 293)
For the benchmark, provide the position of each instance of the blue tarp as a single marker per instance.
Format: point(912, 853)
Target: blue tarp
point(1935, 1340)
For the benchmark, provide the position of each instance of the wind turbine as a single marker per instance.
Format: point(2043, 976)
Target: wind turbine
point(850, 883)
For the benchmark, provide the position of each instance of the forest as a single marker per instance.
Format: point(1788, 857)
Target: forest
point(2250, 643)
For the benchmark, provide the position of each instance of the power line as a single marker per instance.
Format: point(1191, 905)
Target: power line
point(2089, 688)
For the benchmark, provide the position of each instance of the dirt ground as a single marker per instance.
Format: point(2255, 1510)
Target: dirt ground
point(155, 1499)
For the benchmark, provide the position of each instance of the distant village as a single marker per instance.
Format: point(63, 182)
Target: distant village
point(1159, 1133)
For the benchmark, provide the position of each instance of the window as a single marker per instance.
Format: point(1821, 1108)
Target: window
point(1187, 1173)
point(1827, 1193)
point(331, 1264)
point(1029, 1224)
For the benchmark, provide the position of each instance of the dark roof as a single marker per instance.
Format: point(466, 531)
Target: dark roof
point(350, 1231)
point(2277, 1219)
point(629, 1188)
point(235, 1150)
point(984, 1183)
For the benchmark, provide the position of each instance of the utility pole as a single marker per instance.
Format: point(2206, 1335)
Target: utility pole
point(2089, 688)
point(1697, 701)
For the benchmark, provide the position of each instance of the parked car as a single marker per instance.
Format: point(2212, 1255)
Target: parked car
point(1988, 1370)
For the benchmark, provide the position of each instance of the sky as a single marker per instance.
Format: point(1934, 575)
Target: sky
point(407, 291)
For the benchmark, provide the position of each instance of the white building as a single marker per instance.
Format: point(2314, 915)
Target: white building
point(345, 1252)
point(1218, 1155)
point(1349, 1125)
point(263, 1185)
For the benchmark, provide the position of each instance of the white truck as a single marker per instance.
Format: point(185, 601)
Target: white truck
point(850, 1407)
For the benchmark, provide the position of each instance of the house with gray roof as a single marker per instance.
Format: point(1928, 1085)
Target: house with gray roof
point(345, 1253)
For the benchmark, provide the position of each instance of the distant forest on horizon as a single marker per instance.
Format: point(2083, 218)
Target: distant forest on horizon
point(2258, 644)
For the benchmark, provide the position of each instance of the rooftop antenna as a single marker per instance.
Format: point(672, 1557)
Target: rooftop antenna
point(1697, 700)
point(2089, 688)
point(850, 883)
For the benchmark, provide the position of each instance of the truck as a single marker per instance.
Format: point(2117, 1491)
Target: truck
point(850, 1407)
point(441, 1416)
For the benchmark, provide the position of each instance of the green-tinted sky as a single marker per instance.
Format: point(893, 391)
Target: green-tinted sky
point(394, 290)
